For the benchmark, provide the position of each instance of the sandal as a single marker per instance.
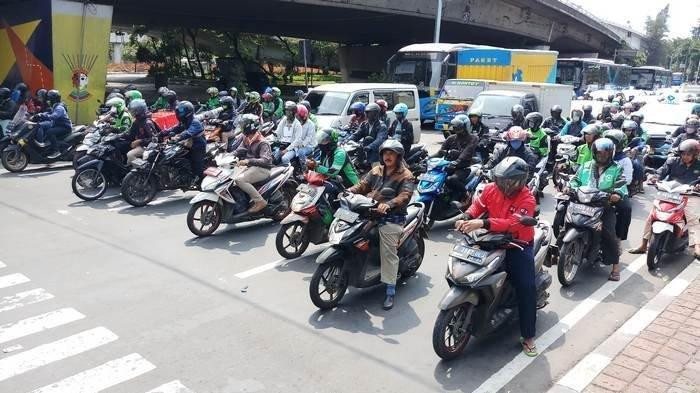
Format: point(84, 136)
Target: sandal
point(614, 276)
point(638, 250)
point(530, 351)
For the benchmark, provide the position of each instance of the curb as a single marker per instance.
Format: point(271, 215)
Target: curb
point(583, 373)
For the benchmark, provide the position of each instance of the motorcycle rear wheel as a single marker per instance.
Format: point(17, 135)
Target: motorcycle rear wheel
point(137, 190)
point(292, 236)
point(452, 331)
point(655, 250)
point(570, 257)
point(89, 179)
point(15, 160)
point(421, 253)
point(209, 218)
point(330, 276)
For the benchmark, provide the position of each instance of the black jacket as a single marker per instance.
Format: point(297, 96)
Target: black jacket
point(480, 129)
point(466, 145)
point(405, 134)
point(8, 110)
point(676, 170)
point(554, 124)
point(513, 123)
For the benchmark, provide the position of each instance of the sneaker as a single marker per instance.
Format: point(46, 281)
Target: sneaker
point(257, 206)
point(53, 155)
point(40, 144)
point(388, 302)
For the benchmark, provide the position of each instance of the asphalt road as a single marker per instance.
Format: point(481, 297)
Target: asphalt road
point(109, 296)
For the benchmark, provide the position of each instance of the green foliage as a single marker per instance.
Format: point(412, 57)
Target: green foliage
point(656, 29)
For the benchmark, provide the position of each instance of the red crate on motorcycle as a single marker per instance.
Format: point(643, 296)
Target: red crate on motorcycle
point(165, 119)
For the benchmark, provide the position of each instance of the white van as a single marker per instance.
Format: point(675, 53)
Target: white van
point(331, 103)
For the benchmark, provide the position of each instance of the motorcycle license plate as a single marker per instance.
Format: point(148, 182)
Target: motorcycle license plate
point(669, 197)
point(346, 215)
point(583, 209)
point(469, 254)
point(428, 177)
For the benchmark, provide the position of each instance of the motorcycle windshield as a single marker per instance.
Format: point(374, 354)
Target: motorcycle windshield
point(19, 119)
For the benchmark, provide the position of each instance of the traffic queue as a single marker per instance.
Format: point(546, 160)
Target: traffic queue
point(369, 193)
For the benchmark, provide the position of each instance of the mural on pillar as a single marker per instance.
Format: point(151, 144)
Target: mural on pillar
point(80, 66)
point(25, 44)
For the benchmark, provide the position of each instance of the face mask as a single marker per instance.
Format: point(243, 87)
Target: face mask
point(576, 117)
point(516, 144)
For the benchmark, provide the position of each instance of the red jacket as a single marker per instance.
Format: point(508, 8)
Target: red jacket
point(503, 212)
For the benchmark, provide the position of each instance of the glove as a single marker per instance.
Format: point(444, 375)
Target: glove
point(452, 166)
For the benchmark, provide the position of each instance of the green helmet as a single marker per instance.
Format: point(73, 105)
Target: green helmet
point(213, 91)
point(276, 91)
point(327, 136)
point(133, 95)
point(117, 104)
point(618, 137)
point(254, 97)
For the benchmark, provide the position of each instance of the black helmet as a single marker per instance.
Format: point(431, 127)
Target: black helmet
point(458, 125)
point(138, 108)
point(533, 120)
point(227, 102)
point(307, 104)
point(617, 120)
point(41, 94)
point(587, 109)
point(249, 123)
point(372, 111)
point(171, 97)
point(21, 87)
point(511, 175)
point(185, 113)
point(605, 110)
point(517, 111)
point(603, 150)
point(393, 145)
point(53, 97)
point(5, 93)
point(555, 112)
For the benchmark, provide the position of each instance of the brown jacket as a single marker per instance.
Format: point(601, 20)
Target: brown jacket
point(372, 183)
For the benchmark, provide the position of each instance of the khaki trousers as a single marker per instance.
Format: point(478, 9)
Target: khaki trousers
point(133, 154)
point(389, 235)
point(250, 175)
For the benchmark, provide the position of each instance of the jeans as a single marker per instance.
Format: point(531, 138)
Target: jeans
point(197, 155)
point(301, 153)
point(40, 135)
point(457, 181)
point(520, 265)
point(54, 133)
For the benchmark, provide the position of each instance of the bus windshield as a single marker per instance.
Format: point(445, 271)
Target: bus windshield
point(643, 79)
point(569, 73)
point(422, 69)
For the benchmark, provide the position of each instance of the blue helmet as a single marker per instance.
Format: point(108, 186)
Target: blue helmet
point(401, 108)
point(358, 108)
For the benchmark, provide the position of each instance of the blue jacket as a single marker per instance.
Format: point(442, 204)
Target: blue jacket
point(572, 128)
point(195, 132)
point(58, 116)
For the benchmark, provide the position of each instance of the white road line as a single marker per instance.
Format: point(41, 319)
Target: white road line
point(25, 298)
point(55, 351)
point(39, 173)
point(499, 379)
point(272, 265)
point(172, 387)
point(12, 279)
point(101, 377)
point(590, 366)
point(2, 265)
point(25, 327)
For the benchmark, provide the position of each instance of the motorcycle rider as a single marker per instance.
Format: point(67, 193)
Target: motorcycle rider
point(617, 120)
point(334, 160)
point(517, 113)
point(120, 118)
point(604, 173)
point(161, 102)
point(627, 109)
point(623, 208)
point(226, 117)
point(312, 117)
point(383, 108)
point(171, 100)
point(505, 201)
point(554, 122)
point(685, 170)
point(213, 100)
point(253, 105)
point(605, 114)
point(375, 128)
point(299, 95)
point(638, 118)
point(256, 156)
point(233, 92)
point(588, 117)
point(268, 106)
point(358, 115)
point(576, 125)
point(141, 132)
point(302, 145)
point(478, 128)
point(288, 131)
point(53, 124)
point(190, 128)
point(39, 101)
point(401, 129)
point(538, 138)
point(130, 95)
point(681, 129)
point(279, 104)
point(463, 142)
point(8, 108)
point(590, 133)
point(515, 147)
point(20, 93)
point(691, 132)
point(392, 174)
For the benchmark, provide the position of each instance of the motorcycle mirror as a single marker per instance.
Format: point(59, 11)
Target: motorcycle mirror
point(388, 193)
point(528, 221)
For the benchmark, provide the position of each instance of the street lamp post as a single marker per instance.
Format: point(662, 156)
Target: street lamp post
point(438, 18)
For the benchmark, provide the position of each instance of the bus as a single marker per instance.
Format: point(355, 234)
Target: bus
point(650, 78)
point(589, 74)
point(677, 78)
point(428, 66)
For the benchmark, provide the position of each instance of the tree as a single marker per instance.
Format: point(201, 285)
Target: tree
point(695, 31)
point(656, 30)
point(328, 51)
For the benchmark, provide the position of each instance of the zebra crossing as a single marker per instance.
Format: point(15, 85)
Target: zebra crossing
point(15, 360)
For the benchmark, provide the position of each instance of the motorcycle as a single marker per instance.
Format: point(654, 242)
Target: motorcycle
point(352, 259)
point(481, 299)
point(93, 136)
point(669, 224)
point(103, 166)
point(415, 159)
point(657, 151)
point(23, 150)
point(221, 201)
point(565, 159)
point(311, 216)
point(582, 230)
point(539, 180)
point(164, 166)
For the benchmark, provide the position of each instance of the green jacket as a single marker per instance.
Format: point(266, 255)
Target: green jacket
point(279, 112)
point(584, 154)
point(313, 119)
point(161, 103)
point(268, 108)
point(585, 176)
point(123, 122)
point(212, 103)
point(340, 166)
point(539, 142)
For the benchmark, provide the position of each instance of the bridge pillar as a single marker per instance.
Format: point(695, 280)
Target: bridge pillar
point(359, 63)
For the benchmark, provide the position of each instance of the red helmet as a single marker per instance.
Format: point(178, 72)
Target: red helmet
point(267, 96)
point(382, 104)
point(516, 133)
point(302, 112)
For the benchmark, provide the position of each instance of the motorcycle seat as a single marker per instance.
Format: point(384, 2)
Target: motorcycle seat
point(79, 128)
point(415, 148)
point(72, 136)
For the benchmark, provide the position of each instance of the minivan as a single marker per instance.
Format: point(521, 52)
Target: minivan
point(331, 103)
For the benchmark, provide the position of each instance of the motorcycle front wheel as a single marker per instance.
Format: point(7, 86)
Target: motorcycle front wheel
point(89, 184)
point(570, 257)
point(15, 160)
point(452, 331)
point(137, 189)
point(292, 240)
point(204, 218)
point(77, 156)
point(328, 285)
point(655, 250)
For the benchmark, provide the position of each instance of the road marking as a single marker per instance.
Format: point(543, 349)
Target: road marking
point(592, 364)
point(2, 265)
point(172, 387)
point(272, 265)
point(101, 377)
point(55, 351)
point(160, 201)
point(499, 379)
point(12, 279)
point(24, 298)
point(40, 173)
point(25, 327)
